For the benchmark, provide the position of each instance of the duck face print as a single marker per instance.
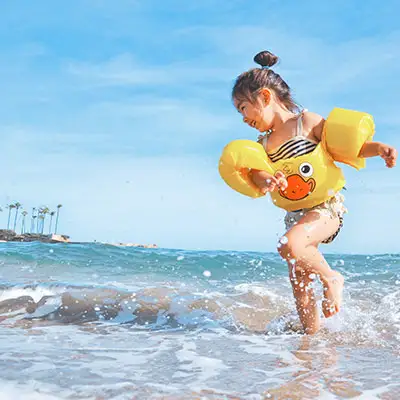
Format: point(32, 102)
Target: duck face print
point(300, 184)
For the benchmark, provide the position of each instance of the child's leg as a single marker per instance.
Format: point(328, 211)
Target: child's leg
point(300, 249)
point(305, 301)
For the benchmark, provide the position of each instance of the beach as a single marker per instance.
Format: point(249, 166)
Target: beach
point(91, 321)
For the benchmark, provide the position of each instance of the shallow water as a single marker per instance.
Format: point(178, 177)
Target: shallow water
point(101, 322)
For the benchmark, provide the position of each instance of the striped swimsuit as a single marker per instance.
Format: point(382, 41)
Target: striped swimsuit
point(295, 147)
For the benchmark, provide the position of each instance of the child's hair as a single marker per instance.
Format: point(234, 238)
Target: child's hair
point(249, 83)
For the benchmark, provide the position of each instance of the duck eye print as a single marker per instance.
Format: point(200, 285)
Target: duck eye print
point(306, 169)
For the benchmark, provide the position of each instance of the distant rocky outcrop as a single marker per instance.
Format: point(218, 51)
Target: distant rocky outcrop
point(7, 235)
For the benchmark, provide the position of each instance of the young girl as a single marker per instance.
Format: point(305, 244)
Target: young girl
point(266, 104)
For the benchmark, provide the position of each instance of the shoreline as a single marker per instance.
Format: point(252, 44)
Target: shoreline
point(9, 236)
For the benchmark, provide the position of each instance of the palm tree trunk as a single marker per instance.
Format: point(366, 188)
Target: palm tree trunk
point(33, 220)
point(42, 229)
point(37, 223)
point(55, 229)
point(9, 217)
point(15, 219)
point(51, 222)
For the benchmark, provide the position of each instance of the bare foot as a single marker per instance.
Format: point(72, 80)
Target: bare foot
point(333, 289)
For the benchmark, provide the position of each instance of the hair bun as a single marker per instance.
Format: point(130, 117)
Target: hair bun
point(265, 59)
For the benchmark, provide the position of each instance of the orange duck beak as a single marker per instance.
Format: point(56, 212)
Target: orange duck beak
point(298, 188)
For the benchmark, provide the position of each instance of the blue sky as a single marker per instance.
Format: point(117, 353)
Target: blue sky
point(119, 111)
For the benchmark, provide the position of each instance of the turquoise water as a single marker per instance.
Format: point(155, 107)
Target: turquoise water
point(103, 322)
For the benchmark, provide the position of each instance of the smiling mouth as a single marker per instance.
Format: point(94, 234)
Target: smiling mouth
point(254, 125)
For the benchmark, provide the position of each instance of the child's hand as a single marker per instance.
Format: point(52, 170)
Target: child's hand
point(389, 154)
point(268, 183)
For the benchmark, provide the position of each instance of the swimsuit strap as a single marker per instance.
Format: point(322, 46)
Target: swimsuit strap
point(262, 139)
point(300, 123)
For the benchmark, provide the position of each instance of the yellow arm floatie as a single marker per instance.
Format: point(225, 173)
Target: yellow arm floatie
point(312, 178)
point(344, 134)
point(237, 159)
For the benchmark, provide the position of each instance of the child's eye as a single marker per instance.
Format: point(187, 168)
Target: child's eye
point(241, 107)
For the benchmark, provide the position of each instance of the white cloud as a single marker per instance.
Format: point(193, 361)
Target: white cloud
point(171, 123)
point(313, 66)
point(124, 70)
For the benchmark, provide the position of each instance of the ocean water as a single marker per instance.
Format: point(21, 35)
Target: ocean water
point(103, 322)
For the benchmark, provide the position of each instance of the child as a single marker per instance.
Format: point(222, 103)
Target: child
point(266, 104)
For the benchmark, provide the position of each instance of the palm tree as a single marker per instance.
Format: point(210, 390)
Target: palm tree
point(41, 219)
point(10, 207)
point(33, 223)
point(17, 206)
point(39, 213)
point(24, 214)
point(33, 220)
point(58, 212)
point(44, 210)
point(51, 220)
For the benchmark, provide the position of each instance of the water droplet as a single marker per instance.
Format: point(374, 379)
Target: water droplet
point(307, 227)
point(292, 261)
point(207, 274)
point(312, 276)
point(284, 240)
point(97, 309)
point(51, 251)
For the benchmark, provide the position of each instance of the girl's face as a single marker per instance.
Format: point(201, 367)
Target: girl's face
point(258, 114)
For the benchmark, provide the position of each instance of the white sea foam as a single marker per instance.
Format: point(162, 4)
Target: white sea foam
point(35, 293)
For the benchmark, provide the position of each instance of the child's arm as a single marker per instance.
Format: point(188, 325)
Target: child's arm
point(370, 149)
point(373, 149)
